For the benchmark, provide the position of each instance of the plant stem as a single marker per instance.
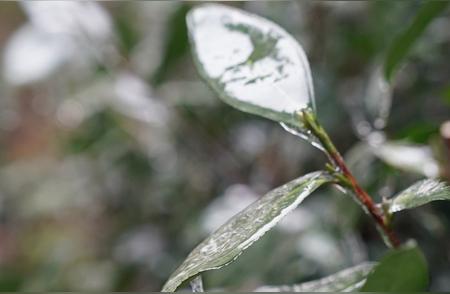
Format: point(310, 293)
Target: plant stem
point(346, 178)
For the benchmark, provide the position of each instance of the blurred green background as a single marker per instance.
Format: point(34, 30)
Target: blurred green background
point(116, 159)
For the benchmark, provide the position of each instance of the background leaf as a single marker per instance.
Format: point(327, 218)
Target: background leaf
point(230, 240)
point(403, 43)
point(408, 157)
point(176, 43)
point(419, 194)
point(400, 270)
point(252, 63)
point(347, 280)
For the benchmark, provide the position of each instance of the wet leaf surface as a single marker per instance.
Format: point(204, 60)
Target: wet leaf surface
point(241, 231)
point(419, 194)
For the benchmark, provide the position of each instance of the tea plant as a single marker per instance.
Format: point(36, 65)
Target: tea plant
point(257, 67)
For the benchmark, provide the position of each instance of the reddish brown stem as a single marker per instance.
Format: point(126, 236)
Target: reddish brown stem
point(346, 178)
point(366, 200)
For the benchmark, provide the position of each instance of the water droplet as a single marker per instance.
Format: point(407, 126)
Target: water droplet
point(304, 134)
point(197, 284)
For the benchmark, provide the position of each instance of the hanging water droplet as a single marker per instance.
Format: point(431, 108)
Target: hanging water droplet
point(304, 134)
point(197, 284)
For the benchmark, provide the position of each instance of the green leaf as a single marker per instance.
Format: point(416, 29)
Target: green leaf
point(403, 269)
point(405, 41)
point(176, 44)
point(419, 194)
point(347, 280)
point(126, 31)
point(252, 63)
point(241, 231)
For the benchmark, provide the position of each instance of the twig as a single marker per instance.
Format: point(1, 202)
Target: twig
point(346, 179)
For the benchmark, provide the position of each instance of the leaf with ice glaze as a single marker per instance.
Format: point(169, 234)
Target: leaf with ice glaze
point(241, 231)
point(419, 194)
point(252, 63)
point(348, 280)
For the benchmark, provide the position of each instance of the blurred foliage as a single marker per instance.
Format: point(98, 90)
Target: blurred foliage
point(404, 41)
point(109, 177)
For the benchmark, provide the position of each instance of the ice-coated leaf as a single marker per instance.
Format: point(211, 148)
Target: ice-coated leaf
point(419, 194)
point(404, 269)
point(241, 231)
point(252, 63)
point(348, 280)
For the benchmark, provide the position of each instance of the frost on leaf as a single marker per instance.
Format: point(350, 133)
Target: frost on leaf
point(419, 194)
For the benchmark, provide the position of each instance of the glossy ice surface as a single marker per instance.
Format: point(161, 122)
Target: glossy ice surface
point(241, 231)
point(252, 63)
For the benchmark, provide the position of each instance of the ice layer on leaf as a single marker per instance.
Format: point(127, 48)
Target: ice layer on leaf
point(252, 63)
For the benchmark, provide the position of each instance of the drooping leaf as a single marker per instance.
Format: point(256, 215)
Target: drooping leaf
point(419, 194)
point(252, 63)
point(347, 280)
point(241, 231)
point(403, 269)
point(405, 41)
